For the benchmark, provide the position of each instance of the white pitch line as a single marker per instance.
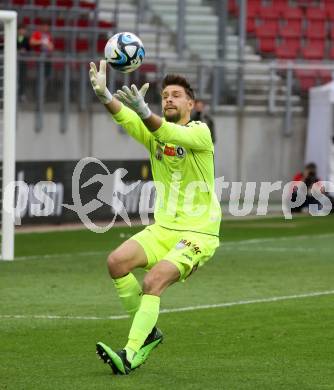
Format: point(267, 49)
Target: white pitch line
point(173, 310)
point(279, 249)
point(62, 255)
point(270, 239)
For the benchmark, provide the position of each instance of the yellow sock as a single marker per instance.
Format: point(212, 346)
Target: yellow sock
point(143, 322)
point(129, 292)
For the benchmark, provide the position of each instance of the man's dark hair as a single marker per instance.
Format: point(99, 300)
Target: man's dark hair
point(311, 166)
point(175, 79)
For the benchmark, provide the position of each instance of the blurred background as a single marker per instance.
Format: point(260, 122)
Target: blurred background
point(252, 63)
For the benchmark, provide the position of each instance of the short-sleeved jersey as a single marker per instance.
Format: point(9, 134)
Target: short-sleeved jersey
point(183, 171)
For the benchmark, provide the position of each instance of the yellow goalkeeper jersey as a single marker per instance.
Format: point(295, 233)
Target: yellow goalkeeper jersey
point(182, 161)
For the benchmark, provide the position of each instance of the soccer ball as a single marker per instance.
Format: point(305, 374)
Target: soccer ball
point(124, 52)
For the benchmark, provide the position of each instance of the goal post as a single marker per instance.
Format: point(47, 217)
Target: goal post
point(8, 75)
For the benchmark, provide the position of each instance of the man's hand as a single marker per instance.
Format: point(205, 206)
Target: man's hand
point(98, 80)
point(134, 99)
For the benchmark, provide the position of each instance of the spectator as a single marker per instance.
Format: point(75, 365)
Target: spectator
point(23, 47)
point(42, 42)
point(309, 176)
point(200, 114)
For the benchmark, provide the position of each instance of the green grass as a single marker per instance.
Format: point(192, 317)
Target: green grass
point(287, 344)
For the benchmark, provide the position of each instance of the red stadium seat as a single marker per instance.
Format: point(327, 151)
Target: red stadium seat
point(316, 30)
point(306, 73)
point(281, 6)
point(331, 52)
point(87, 4)
point(293, 24)
point(250, 26)
point(18, 2)
point(81, 45)
point(253, 9)
point(64, 3)
point(25, 20)
point(100, 45)
point(293, 43)
point(316, 13)
point(268, 13)
point(286, 52)
point(325, 76)
point(268, 29)
point(291, 31)
point(59, 44)
point(305, 3)
point(105, 24)
point(42, 3)
point(267, 34)
point(305, 83)
point(40, 21)
point(307, 78)
point(293, 13)
point(60, 22)
point(314, 50)
point(148, 68)
point(233, 7)
point(267, 45)
point(83, 23)
point(330, 12)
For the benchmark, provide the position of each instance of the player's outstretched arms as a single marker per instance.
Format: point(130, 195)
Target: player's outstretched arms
point(135, 100)
point(197, 136)
point(98, 79)
point(122, 115)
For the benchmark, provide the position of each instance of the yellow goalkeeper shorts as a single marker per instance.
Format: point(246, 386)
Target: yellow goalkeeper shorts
point(187, 250)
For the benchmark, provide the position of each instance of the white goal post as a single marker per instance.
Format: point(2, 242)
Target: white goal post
point(8, 128)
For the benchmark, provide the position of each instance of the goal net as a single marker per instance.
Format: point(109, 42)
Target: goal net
point(8, 57)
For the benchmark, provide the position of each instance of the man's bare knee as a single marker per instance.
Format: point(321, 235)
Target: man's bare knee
point(116, 265)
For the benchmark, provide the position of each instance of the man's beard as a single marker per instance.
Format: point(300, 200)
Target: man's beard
point(174, 117)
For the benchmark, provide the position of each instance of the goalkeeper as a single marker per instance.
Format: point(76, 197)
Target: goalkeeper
point(187, 213)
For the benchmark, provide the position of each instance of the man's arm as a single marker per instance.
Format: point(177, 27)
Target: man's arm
point(122, 115)
point(114, 107)
point(195, 136)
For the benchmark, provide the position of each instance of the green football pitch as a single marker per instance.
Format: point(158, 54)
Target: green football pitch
point(259, 315)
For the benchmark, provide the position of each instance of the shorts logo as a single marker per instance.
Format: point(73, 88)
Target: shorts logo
point(180, 245)
point(187, 256)
point(185, 243)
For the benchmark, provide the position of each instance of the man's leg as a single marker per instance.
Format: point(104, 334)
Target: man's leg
point(121, 262)
point(162, 275)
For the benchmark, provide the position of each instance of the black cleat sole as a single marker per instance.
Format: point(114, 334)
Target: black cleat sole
point(102, 354)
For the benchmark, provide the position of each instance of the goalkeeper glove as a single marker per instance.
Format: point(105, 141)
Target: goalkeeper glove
point(134, 99)
point(98, 80)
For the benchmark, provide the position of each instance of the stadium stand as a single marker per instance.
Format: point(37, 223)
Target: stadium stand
point(277, 30)
point(292, 30)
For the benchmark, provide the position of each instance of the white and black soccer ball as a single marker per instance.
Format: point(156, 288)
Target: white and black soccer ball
point(124, 52)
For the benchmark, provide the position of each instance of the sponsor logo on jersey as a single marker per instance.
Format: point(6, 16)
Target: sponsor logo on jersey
point(170, 150)
point(180, 151)
point(159, 152)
